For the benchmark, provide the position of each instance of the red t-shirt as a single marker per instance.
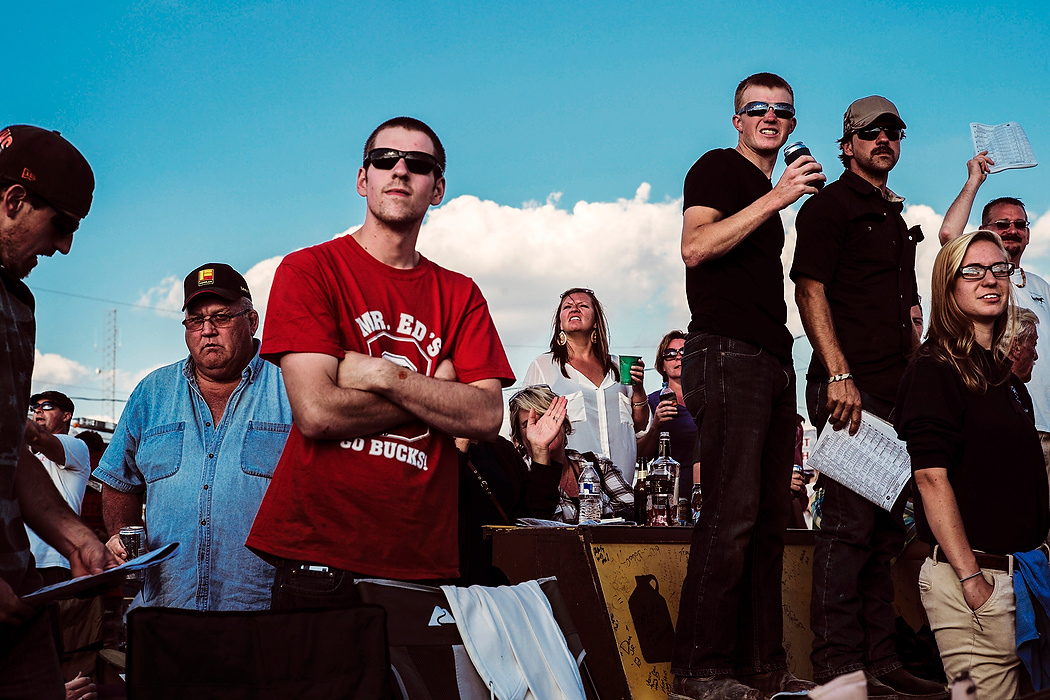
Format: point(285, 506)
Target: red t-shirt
point(386, 504)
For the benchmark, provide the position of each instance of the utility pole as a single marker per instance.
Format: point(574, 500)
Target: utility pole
point(109, 353)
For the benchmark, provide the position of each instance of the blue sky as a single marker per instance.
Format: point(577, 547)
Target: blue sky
point(229, 132)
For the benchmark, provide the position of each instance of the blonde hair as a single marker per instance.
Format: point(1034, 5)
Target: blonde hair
point(951, 338)
point(537, 398)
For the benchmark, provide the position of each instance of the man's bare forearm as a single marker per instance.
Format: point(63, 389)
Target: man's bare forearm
point(38, 439)
point(120, 509)
point(704, 239)
point(815, 311)
point(465, 410)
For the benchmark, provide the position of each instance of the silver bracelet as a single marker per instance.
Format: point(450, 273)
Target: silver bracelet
point(840, 378)
point(963, 580)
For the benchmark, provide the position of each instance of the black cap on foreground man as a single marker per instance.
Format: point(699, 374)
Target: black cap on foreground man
point(45, 189)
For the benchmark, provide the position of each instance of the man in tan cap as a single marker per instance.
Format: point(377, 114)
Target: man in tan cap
point(854, 273)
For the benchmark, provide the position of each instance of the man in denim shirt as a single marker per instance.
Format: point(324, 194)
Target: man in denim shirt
point(200, 439)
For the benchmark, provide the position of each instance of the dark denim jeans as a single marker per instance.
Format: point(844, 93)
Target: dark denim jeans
point(730, 618)
point(851, 612)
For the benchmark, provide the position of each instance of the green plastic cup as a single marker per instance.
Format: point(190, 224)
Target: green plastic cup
point(625, 367)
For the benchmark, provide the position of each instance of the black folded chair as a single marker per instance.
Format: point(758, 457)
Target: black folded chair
point(427, 656)
point(308, 655)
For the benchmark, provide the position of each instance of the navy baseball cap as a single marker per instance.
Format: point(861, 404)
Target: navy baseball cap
point(47, 165)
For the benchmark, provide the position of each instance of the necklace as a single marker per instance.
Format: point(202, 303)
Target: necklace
point(1024, 280)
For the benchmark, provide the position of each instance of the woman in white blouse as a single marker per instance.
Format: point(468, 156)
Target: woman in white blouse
point(604, 413)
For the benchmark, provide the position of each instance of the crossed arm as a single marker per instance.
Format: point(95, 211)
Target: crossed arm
point(335, 399)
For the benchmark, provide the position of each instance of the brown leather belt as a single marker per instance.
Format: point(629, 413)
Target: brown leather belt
point(985, 560)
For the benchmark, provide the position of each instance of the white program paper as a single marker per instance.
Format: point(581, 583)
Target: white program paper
point(1006, 144)
point(873, 463)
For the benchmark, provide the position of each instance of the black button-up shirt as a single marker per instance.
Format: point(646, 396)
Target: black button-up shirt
point(853, 240)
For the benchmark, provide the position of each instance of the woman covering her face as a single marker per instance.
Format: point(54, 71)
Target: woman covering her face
point(539, 427)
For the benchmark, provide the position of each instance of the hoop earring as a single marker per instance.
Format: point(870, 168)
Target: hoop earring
point(562, 339)
point(594, 337)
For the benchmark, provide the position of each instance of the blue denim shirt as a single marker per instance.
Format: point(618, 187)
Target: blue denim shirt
point(203, 482)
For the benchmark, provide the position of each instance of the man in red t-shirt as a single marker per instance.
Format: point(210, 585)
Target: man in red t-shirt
point(385, 356)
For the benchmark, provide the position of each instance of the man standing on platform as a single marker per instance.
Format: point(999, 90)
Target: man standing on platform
point(386, 356)
point(739, 384)
point(854, 273)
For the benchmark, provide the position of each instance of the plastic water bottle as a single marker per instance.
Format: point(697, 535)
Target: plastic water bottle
point(590, 493)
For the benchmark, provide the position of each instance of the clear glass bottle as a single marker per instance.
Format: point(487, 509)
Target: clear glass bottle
point(668, 463)
point(590, 493)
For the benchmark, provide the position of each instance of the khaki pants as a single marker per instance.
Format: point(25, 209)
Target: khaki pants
point(985, 645)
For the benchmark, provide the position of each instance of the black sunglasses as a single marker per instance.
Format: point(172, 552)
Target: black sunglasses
point(782, 110)
point(977, 271)
point(42, 406)
point(1004, 224)
point(671, 353)
point(872, 132)
point(417, 162)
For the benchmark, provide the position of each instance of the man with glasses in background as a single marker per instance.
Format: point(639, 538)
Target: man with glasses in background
point(854, 273)
point(739, 385)
point(386, 356)
point(199, 439)
point(68, 463)
point(1007, 217)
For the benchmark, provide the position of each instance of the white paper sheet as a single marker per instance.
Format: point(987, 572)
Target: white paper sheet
point(873, 463)
point(1006, 144)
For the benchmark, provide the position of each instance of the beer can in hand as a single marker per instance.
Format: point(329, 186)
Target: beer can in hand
point(134, 540)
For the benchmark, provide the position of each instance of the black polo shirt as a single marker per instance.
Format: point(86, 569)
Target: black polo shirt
point(988, 444)
point(855, 242)
point(741, 294)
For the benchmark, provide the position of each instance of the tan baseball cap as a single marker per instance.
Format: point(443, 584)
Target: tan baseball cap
point(866, 110)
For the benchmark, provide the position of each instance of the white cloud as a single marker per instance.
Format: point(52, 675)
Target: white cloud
point(87, 386)
point(51, 370)
point(260, 278)
point(165, 296)
point(626, 250)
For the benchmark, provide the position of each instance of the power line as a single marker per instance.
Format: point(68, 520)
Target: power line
point(107, 301)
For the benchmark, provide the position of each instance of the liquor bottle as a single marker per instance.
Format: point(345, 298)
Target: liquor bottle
point(661, 503)
point(641, 493)
point(696, 501)
point(664, 458)
point(590, 493)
